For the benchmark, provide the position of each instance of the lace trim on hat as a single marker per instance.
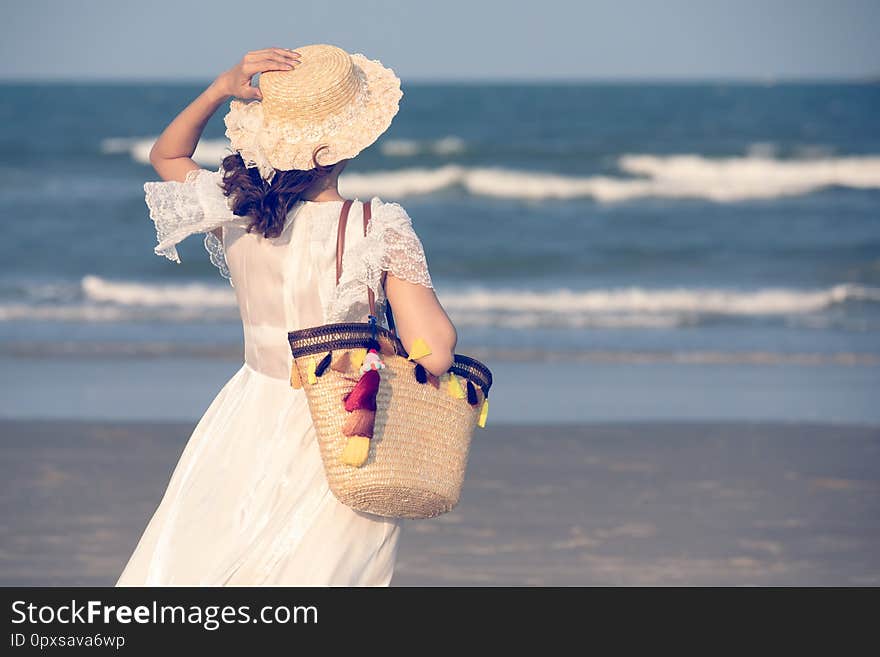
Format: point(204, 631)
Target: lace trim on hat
point(391, 244)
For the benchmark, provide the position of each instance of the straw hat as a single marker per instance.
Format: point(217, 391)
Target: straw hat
point(331, 98)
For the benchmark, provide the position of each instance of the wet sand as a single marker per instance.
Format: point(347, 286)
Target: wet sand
point(653, 503)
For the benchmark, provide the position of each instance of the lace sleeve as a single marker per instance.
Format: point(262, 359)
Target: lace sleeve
point(180, 209)
point(391, 244)
point(401, 252)
point(217, 255)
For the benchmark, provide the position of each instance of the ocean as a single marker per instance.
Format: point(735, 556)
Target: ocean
point(611, 251)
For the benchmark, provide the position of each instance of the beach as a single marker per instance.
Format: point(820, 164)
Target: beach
point(676, 287)
point(617, 503)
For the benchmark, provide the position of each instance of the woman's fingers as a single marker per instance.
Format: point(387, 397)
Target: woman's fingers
point(274, 49)
point(284, 56)
point(269, 64)
point(260, 61)
point(286, 52)
point(269, 52)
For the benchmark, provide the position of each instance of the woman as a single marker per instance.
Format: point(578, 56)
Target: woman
point(248, 502)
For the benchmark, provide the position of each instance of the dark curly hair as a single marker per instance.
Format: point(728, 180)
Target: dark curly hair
point(267, 204)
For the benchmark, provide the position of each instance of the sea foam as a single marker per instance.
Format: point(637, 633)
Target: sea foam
point(98, 299)
point(755, 176)
point(720, 180)
point(209, 152)
point(409, 147)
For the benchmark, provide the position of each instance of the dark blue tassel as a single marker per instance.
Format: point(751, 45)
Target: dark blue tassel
point(471, 393)
point(421, 374)
point(324, 364)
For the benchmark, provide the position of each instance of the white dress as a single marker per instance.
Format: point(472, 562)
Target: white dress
point(248, 502)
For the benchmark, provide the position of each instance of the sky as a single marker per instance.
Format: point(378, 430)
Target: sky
point(449, 40)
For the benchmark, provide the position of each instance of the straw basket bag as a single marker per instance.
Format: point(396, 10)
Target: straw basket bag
point(414, 428)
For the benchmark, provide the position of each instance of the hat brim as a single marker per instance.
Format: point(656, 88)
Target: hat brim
point(280, 147)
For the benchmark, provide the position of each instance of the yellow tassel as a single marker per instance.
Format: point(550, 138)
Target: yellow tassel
point(484, 412)
point(356, 451)
point(311, 370)
point(295, 381)
point(419, 348)
point(357, 357)
point(455, 388)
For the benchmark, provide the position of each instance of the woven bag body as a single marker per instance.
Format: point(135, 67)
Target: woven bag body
point(422, 433)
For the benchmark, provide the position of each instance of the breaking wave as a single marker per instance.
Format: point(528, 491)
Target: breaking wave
point(721, 180)
point(96, 299)
point(757, 175)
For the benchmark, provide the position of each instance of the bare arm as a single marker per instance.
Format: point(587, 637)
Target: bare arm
point(171, 155)
point(418, 314)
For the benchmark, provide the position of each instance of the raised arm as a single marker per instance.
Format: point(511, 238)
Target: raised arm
point(171, 155)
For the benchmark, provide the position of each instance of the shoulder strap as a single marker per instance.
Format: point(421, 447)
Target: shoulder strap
point(368, 208)
point(340, 237)
point(340, 248)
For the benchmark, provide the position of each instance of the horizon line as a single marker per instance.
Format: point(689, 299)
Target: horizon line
point(667, 79)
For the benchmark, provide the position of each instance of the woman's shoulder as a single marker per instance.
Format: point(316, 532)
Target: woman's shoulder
point(389, 212)
point(398, 244)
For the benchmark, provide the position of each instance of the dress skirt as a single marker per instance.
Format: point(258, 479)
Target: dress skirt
point(248, 503)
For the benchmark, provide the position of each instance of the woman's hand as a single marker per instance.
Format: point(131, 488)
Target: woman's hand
point(237, 80)
point(171, 155)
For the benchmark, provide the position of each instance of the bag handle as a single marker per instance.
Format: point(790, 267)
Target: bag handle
point(340, 247)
